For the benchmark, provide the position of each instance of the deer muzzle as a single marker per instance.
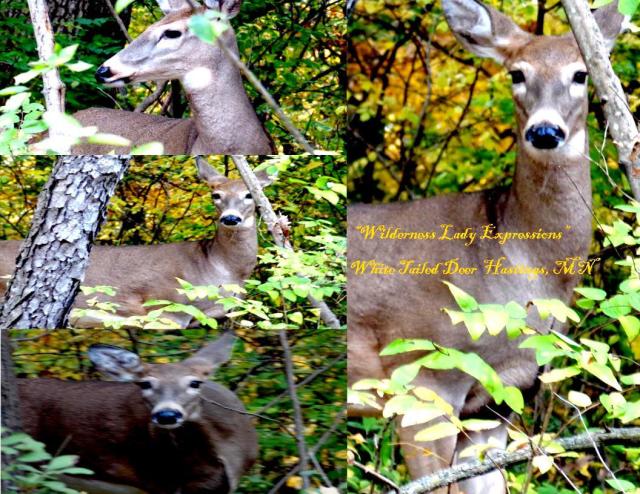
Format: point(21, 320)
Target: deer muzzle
point(168, 418)
point(545, 136)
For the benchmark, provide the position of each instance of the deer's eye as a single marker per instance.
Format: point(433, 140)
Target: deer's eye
point(248, 196)
point(580, 77)
point(171, 33)
point(144, 384)
point(216, 196)
point(195, 384)
point(517, 76)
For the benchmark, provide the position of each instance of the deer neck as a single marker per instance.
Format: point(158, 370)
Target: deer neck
point(236, 248)
point(220, 107)
point(554, 195)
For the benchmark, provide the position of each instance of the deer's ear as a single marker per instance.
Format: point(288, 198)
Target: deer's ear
point(229, 7)
point(209, 174)
point(483, 30)
point(265, 179)
point(116, 363)
point(209, 358)
point(169, 6)
point(611, 23)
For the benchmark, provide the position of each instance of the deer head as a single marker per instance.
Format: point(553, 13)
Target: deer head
point(172, 391)
point(549, 76)
point(169, 50)
point(231, 197)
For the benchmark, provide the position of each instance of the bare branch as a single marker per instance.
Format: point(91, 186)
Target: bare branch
point(501, 459)
point(622, 126)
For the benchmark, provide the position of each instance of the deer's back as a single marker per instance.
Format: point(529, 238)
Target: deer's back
point(177, 135)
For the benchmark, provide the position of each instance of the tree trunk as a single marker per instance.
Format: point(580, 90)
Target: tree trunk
point(63, 13)
point(10, 409)
point(54, 256)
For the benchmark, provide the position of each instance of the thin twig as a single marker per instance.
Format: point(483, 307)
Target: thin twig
point(297, 409)
point(152, 98)
point(121, 25)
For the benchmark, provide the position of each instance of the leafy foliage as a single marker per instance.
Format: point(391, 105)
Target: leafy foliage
point(33, 469)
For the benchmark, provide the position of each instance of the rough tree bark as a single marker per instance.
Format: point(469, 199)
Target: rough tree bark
point(54, 255)
point(622, 126)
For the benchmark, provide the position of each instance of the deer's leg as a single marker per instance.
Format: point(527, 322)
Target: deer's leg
point(426, 458)
point(492, 482)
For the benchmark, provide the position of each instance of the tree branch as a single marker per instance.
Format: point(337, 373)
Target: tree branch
point(622, 126)
point(53, 87)
point(275, 228)
point(501, 459)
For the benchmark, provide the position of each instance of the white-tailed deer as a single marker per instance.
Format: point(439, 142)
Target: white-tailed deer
point(222, 121)
point(551, 191)
point(145, 272)
point(163, 429)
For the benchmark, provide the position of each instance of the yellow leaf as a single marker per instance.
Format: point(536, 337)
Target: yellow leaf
point(294, 482)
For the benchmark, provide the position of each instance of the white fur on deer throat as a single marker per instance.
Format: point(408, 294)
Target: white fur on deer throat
point(198, 78)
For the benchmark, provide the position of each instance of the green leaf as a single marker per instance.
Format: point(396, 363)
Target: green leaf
point(556, 375)
point(631, 326)
point(154, 148)
point(297, 318)
point(591, 293)
point(602, 372)
point(421, 413)
point(121, 5)
point(65, 54)
point(403, 345)
point(513, 397)
point(556, 308)
point(543, 463)
point(79, 66)
point(399, 405)
point(16, 101)
point(60, 462)
point(437, 431)
point(7, 91)
point(480, 424)
point(475, 323)
point(620, 484)
point(616, 306)
point(579, 399)
point(108, 140)
point(628, 7)
point(465, 301)
point(405, 373)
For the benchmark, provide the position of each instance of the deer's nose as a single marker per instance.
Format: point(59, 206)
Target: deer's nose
point(545, 136)
point(167, 417)
point(103, 73)
point(231, 220)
